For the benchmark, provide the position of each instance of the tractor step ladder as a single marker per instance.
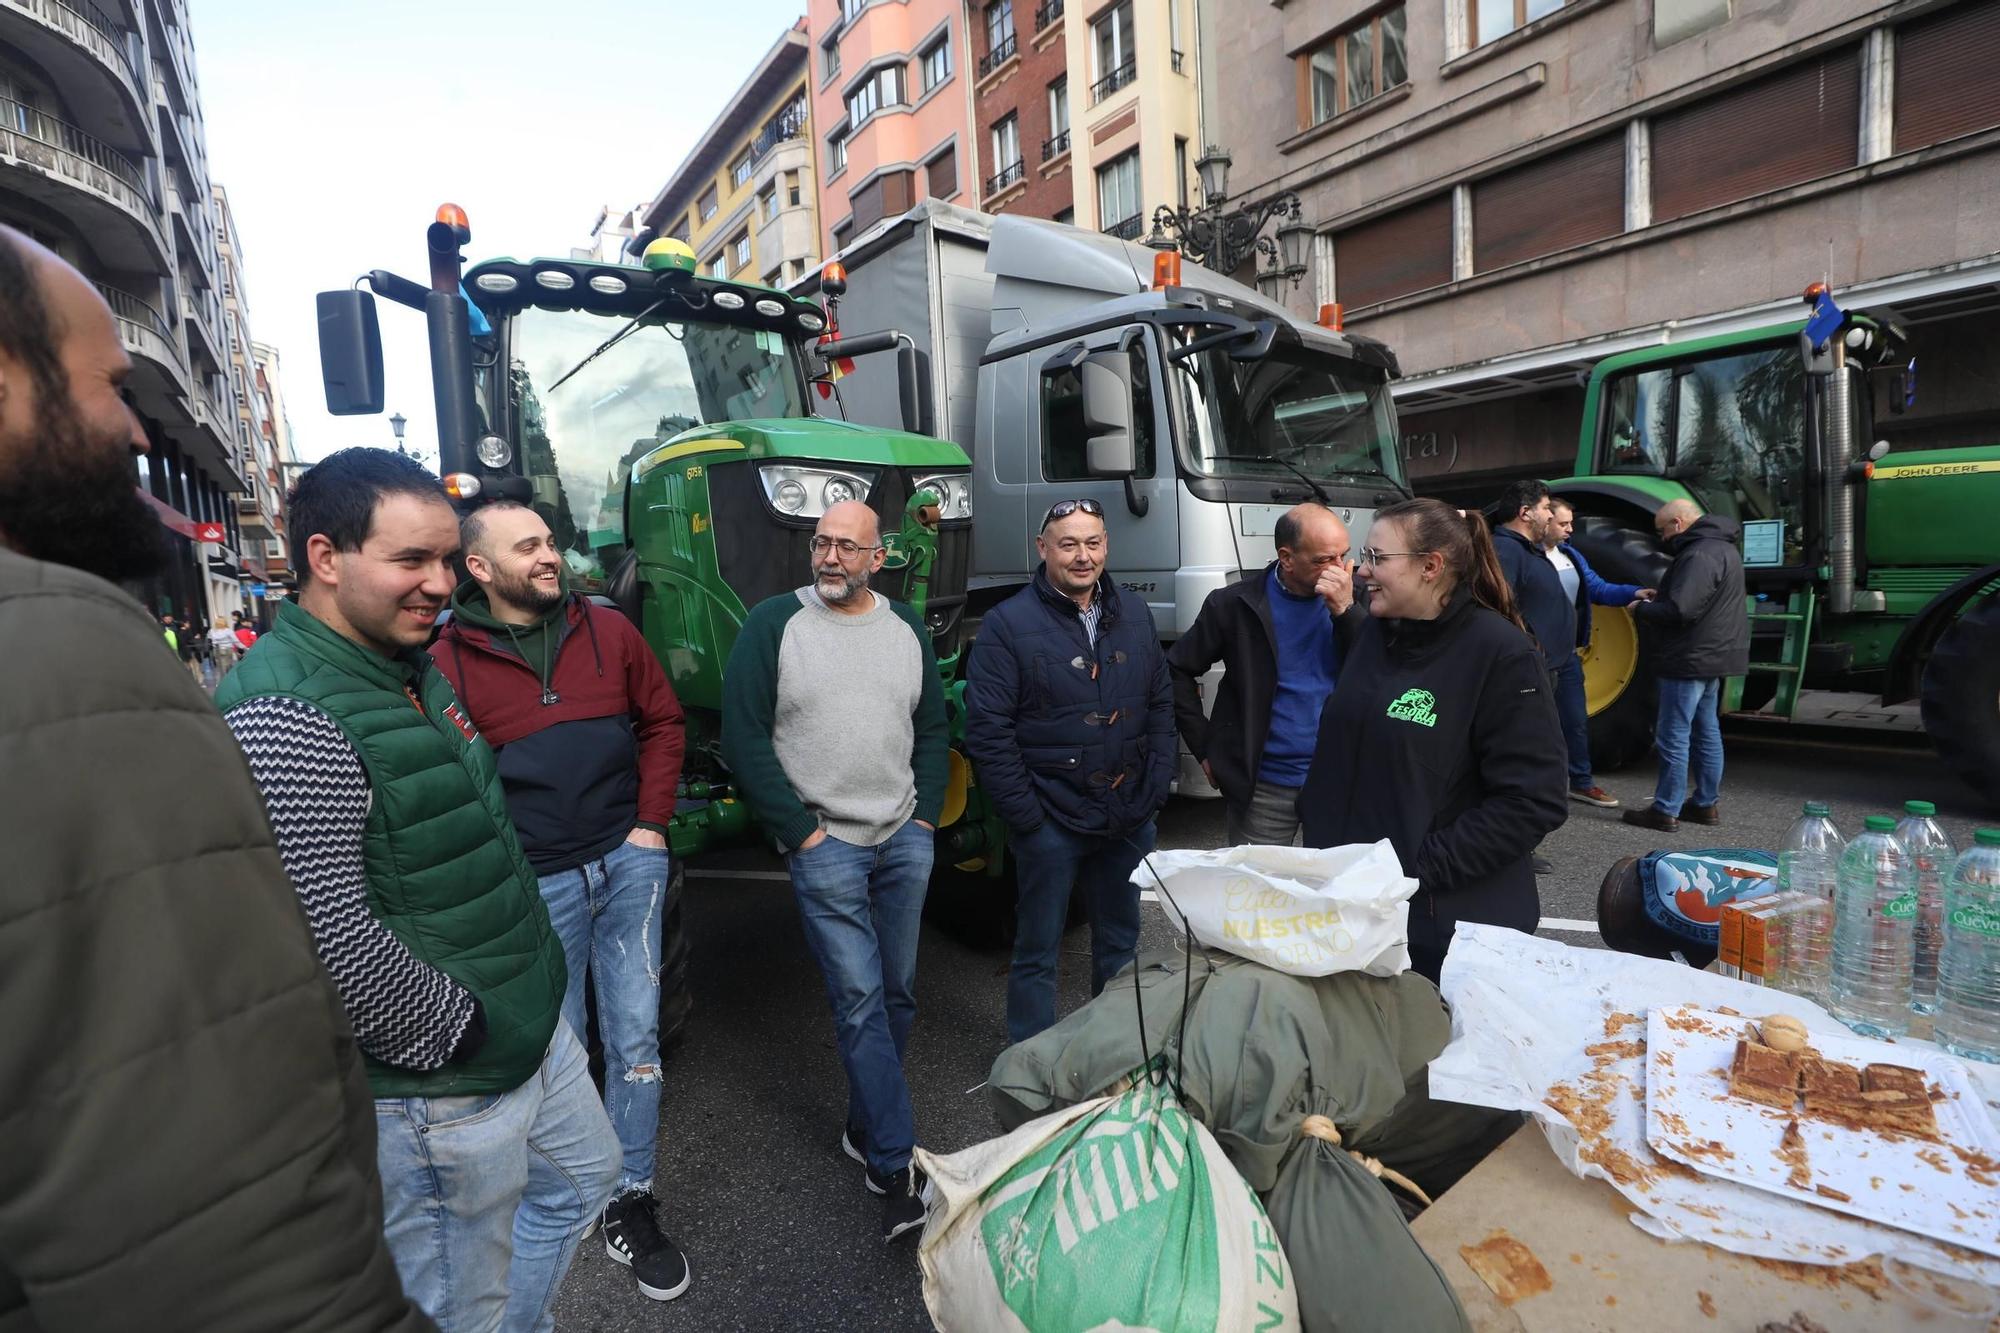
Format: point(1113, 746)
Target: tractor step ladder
point(1790, 668)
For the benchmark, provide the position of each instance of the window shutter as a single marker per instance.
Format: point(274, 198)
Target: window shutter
point(1798, 124)
point(1945, 75)
point(1393, 255)
point(942, 178)
point(1566, 198)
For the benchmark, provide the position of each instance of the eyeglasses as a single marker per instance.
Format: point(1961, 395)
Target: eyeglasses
point(1064, 508)
point(1371, 556)
point(848, 549)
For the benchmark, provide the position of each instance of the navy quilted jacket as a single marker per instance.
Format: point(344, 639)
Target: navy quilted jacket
point(1059, 730)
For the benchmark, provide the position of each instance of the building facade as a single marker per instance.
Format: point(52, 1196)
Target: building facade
point(1087, 111)
point(745, 198)
point(891, 109)
point(258, 503)
point(281, 454)
point(611, 236)
point(103, 159)
point(1508, 190)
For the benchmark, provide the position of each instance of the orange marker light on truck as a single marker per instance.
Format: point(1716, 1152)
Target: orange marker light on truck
point(1166, 269)
point(1329, 316)
point(453, 216)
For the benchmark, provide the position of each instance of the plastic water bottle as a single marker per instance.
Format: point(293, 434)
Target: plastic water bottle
point(1934, 856)
point(1809, 862)
point(1874, 933)
point(1968, 1012)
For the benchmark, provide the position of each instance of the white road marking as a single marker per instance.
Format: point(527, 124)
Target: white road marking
point(1569, 924)
point(778, 875)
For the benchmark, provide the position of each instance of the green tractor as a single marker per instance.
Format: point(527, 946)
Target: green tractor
point(661, 421)
point(1864, 574)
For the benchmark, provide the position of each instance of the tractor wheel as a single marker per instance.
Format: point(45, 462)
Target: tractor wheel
point(676, 999)
point(1617, 680)
point(1961, 700)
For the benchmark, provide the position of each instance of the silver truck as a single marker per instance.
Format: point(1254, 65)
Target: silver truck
point(1194, 410)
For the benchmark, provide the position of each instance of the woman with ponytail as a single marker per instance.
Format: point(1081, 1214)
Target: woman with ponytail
point(1440, 735)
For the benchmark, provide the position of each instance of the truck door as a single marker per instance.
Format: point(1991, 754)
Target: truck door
point(1140, 513)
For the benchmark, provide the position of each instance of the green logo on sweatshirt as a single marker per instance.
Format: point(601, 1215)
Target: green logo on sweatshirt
point(1415, 706)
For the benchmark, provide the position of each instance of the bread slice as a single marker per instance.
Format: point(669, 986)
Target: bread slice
point(1763, 1075)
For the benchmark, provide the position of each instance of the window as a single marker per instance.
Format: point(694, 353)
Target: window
point(1394, 254)
point(794, 269)
point(739, 171)
point(1181, 170)
point(1066, 216)
point(1805, 116)
point(718, 267)
point(850, 10)
point(1511, 217)
point(1111, 39)
point(1118, 204)
point(1058, 117)
point(791, 189)
point(888, 195)
point(679, 230)
point(1493, 19)
point(1676, 19)
point(842, 234)
point(880, 89)
point(1351, 67)
point(1066, 441)
point(941, 174)
point(707, 206)
point(836, 153)
point(937, 63)
point(767, 203)
point(1007, 141)
point(1944, 82)
point(999, 25)
point(740, 249)
point(829, 56)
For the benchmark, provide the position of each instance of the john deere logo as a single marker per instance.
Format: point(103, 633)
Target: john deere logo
point(1415, 706)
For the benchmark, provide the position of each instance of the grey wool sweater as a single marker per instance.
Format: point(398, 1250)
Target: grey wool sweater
point(834, 721)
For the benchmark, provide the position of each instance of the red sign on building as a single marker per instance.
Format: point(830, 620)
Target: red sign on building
point(210, 532)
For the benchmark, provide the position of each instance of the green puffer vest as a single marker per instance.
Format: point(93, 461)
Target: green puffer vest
point(445, 872)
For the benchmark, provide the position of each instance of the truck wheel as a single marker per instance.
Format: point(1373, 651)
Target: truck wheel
point(676, 999)
point(1617, 679)
point(1961, 700)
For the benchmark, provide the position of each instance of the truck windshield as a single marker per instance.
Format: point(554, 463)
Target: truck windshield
point(1327, 417)
point(578, 442)
point(1731, 428)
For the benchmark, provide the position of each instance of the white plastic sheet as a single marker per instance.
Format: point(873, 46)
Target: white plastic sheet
point(1307, 911)
point(1535, 1022)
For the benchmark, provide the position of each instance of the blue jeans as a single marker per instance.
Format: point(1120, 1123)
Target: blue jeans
point(1047, 863)
point(1688, 728)
point(861, 908)
point(1574, 711)
point(484, 1198)
point(607, 914)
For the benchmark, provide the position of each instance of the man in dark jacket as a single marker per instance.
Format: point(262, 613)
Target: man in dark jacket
point(1523, 524)
point(494, 1148)
point(1698, 631)
point(1274, 635)
point(1070, 723)
point(188, 1140)
point(587, 733)
point(1586, 587)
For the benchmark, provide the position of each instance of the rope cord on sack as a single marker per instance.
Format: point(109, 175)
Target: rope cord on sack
point(1319, 1127)
point(1187, 983)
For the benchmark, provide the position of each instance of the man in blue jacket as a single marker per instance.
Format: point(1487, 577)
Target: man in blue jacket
point(1070, 722)
point(1584, 586)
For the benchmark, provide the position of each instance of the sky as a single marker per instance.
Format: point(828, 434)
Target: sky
point(337, 130)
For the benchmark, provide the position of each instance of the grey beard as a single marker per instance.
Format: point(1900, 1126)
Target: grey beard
point(845, 586)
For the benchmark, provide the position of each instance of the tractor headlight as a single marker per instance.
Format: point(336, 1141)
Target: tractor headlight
point(954, 491)
point(808, 492)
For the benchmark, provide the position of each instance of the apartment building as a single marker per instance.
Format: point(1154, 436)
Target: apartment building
point(744, 198)
point(262, 497)
point(1508, 190)
point(611, 236)
point(282, 452)
point(103, 159)
point(1088, 111)
point(891, 109)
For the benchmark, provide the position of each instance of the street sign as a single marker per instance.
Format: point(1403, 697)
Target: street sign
point(210, 532)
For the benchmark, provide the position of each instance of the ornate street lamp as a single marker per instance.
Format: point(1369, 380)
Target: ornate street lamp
point(1221, 238)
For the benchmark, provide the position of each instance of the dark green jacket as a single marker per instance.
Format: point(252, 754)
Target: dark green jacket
point(445, 872)
point(186, 1135)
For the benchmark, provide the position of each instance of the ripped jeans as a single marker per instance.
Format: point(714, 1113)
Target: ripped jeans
point(607, 914)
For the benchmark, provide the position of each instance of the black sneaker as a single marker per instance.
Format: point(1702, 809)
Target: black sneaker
point(633, 1237)
point(905, 1203)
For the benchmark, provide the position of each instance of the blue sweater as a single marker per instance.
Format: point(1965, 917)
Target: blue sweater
point(1306, 667)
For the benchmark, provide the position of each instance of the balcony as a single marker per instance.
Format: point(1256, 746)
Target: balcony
point(1056, 147)
point(1007, 175)
point(1129, 229)
point(1115, 80)
point(83, 48)
point(1047, 12)
point(80, 177)
point(146, 335)
point(786, 127)
point(997, 56)
point(203, 316)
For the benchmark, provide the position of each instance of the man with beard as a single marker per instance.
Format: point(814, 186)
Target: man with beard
point(495, 1151)
point(189, 1140)
point(833, 725)
point(1069, 719)
point(587, 734)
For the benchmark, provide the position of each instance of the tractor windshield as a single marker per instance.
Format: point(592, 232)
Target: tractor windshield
point(578, 441)
point(1731, 428)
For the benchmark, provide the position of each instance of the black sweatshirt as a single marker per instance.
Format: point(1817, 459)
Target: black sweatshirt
point(1442, 737)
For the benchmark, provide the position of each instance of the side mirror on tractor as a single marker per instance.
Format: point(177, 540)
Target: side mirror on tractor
point(350, 352)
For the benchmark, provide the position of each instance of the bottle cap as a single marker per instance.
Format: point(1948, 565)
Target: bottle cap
point(1922, 808)
point(1818, 808)
point(1880, 824)
point(1987, 837)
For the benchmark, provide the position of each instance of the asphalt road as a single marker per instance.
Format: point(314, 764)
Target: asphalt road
point(776, 1225)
